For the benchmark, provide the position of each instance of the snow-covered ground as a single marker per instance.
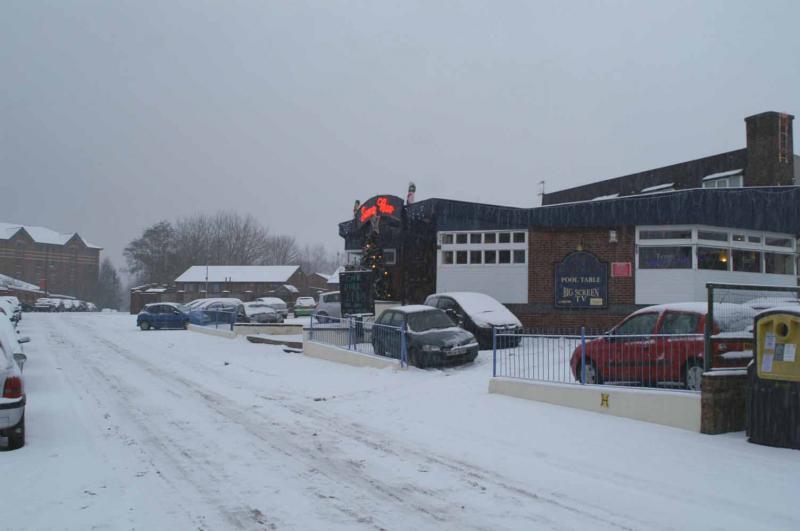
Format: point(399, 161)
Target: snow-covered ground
point(179, 430)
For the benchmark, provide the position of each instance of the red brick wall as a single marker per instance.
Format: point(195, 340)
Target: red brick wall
point(547, 248)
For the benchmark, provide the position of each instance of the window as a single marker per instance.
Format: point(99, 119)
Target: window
point(746, 261)
point(504, 257)
point(447, 239)
point(638, 325)
point(754, 239)
point(519, 257)
point(779, 242)
point(505, 237)
point(665, 258)
point(389, 256)
point(461, 237)
point(475, 237)
point(519, 237)
point(710, 258)
point(461, 257)
point(475, 257)
point(490, 257)
point(739, 238)
point(779, 264)
point(712, 235)
point(680, 323)
point(447, 257)
point(665, 235)
point(489, 237)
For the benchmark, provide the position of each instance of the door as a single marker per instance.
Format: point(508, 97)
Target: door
point(630, 348)
point(678, 340)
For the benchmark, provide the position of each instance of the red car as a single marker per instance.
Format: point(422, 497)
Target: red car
point(665, 344)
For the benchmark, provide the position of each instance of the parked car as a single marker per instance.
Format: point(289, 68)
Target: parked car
point(12, 403)
point(665, 344)
point(304, 306)
point(329, 305)
point(277, 304)
point(432, 338)
point(13, 341)
point(16, 307)
point(261, 312)
point(162, 315)
point(766, 303)
point(218, 310)
point(478, 313)
point(8, 309)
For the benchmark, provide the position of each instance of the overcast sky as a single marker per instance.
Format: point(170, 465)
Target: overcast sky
point(115, 115)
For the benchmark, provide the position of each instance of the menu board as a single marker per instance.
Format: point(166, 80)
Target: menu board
point(581, 282)
point(356, 292)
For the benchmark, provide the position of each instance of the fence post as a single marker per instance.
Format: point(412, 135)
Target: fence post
point(311, 328)
point(350, 333)
point(494, 352)
point(708, 353)
point(583, 355)
point(403, 347)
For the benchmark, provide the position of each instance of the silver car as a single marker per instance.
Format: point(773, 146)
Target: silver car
point(277, 304)
point(12, 403)
point(329, 305)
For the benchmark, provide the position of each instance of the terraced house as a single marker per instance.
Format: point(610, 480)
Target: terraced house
point(57, 262)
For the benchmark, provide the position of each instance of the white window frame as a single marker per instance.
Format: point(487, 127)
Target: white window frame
point(482, 247)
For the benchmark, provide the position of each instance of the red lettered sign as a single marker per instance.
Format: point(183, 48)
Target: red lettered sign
point(621, 269)
point(381, 205)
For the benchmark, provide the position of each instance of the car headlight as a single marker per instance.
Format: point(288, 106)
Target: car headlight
point(431, 348)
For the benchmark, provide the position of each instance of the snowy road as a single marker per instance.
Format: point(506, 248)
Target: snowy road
point(178, 430)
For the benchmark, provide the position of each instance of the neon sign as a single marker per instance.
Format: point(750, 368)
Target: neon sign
point(380, 206)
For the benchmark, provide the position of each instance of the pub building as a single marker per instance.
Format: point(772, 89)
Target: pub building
point(592, 262)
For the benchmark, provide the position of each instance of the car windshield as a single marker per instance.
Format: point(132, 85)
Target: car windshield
point(431, 320)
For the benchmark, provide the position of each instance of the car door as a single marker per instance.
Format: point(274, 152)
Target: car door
point(630, 348)
point(677, 341)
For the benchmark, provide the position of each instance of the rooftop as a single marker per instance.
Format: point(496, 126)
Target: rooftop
point(41, 234)
point(238, 273)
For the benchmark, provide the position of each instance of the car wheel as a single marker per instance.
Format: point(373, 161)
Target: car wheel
point(144, 325)
point(693, 375)
point(16, 436)
point(592, 374)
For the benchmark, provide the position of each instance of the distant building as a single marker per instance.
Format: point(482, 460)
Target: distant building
point(242, 282)
point(27, 293)
point(53, 261)
point(768, 160)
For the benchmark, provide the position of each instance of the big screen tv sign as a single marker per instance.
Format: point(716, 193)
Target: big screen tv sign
point(581, 282)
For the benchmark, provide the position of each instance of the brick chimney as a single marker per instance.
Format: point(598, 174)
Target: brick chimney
point(770, 151)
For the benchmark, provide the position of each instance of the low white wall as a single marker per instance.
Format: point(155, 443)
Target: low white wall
point(219, 332)
point(508, 283)
point(277, 329)
point(669, 408)
point(659, 286)
point(348, 357)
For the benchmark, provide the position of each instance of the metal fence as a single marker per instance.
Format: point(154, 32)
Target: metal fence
point(218, 319)
point(671, 361)
point(360, 334)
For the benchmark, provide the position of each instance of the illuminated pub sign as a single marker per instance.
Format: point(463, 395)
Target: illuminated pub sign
point(380, 206)
point(581, 282)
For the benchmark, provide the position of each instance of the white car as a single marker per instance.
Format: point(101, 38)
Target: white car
point(8, 309)
point(12, 403)
point(15, 306)
point(277, 304)
point(329, 305)
point(261, 312)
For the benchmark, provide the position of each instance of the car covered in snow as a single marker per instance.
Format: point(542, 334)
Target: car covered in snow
point(12, 403)
point(261, 312)
point(277, 304)
point(432, 339)
point(162, 315)
point(479, 313)
point(665, 344)
point(16, 307)
point(10, 310)
point(778, 300)
point(222, 310)
point(304, 306)
point(329, 305)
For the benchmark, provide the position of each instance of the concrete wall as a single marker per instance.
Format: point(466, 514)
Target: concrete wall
point(273, 329)
point(219, 332)
point(508, 283)
point(669, 408)
point(347, 357)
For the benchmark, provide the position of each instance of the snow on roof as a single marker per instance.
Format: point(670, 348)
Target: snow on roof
point(658, 187)
point(729, 316)
point(40, 234)
point(13, 283)
point(788, 308)
point(334, 277)
point(604, 197)
point(238, 273)
point(413, 308)
point(290, 288)
point(483, 309)
point(722, 174)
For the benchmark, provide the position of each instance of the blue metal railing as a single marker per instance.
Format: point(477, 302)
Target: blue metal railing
point(360, 334)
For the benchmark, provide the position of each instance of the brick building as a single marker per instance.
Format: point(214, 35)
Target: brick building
point(56, 262)
point(242, 282)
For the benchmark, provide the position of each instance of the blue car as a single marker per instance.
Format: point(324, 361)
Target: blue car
point(162, 315)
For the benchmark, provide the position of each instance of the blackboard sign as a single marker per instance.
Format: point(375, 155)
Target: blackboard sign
point(581, 282)
point(356, 292)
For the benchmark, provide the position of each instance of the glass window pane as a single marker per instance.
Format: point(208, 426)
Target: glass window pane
point(665, 258)
point(754, 239)
point(710, 258)
point(461, 257)
point(739, 238)
point(519, 257)
point(475, 257)
point(638, 325)
point(746, 261)
point(504, 257)
point(461, 237)
point(779, 242)
point(712, 235)
point(779, 264)
point(680, 323)
point(475, 238)
point(519, 237)
point(447, 257)
point(490, 257)
point(665, 235)
point(489, 237)
point(447, 239)
point(736, 182)
point(505, 237)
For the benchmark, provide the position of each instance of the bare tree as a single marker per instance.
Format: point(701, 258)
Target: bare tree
point(316, 259)
point(281, 250)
